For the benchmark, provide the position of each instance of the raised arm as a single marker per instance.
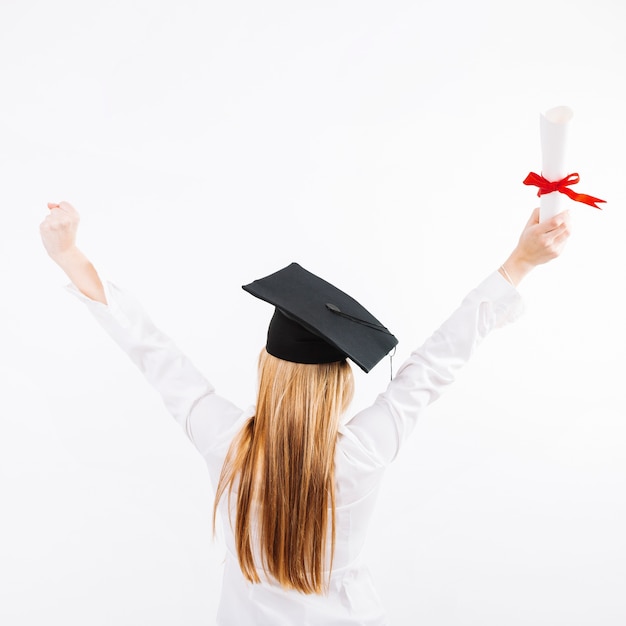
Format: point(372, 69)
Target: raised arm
point(188, 396)
point(58, 233)
point(431, 368)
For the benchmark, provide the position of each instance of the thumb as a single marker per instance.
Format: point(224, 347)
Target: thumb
point(69, 210)
point(534, 217)
point(66, 206)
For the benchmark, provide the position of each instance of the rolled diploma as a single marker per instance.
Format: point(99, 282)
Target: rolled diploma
point(553, 126)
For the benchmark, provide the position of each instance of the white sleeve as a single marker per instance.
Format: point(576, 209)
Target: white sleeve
point(187, 395)
point(382, 428)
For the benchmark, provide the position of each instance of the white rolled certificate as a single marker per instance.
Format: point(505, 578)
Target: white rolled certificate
point(554, 180)
point(553, 126)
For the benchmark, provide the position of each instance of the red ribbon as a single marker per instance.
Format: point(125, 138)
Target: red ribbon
point(562, 186)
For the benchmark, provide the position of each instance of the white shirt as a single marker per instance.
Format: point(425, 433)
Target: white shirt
point(367, 443)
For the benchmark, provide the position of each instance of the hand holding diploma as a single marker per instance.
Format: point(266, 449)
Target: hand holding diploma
point(539, 243)
point(554, 180)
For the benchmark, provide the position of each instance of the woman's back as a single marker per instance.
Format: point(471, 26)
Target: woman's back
point(367, 443)
point(280, 472)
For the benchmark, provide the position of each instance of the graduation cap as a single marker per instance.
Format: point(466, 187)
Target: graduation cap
point(315, 322)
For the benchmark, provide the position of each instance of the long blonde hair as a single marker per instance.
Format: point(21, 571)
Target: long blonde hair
point(281, 465)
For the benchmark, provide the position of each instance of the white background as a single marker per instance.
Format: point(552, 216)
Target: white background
point(383, 146)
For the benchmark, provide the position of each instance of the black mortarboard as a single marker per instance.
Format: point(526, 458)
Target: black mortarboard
point(315, 322)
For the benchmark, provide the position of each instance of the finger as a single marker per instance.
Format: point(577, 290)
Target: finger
point(56, 218)
point(559, 244)
point(66, 206)
point(555, 224)
point(49, 223)
point(534, 217)
point(52, 205)
point(55, 212)
point(561, 234)
point(70, 211)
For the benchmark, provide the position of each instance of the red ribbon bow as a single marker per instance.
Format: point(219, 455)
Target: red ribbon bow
point(562, 186)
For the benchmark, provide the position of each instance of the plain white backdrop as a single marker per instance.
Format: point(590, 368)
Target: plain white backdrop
point(383, 146)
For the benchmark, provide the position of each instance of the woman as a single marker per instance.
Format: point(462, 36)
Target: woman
point(295, 482)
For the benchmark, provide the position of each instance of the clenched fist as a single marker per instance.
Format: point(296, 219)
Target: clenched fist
point(58, 233)
point(58, 230)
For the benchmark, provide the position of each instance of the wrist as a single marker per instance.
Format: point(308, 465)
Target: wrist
point(515, 268)
point(81, 272)
point(68, 257)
